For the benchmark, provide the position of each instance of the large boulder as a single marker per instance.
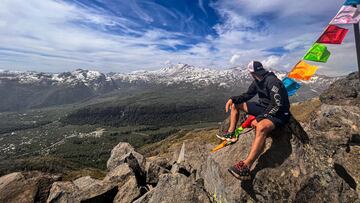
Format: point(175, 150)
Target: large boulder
point(84, 189)
point(288, 170)
point(87, 189)
point(345, 91)
point(63, 192)
point(120, 154)
point(176, 188)
point(128, 192)
point(127, 183)
point(335, 123)
point(25, 187)
point(153, 171)
point(335, 131)
point(15, 188)
point(346, 165)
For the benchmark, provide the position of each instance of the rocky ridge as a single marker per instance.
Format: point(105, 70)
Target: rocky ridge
point(314, 161)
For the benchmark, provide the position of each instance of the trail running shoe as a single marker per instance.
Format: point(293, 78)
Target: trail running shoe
point(240, 171)
point(230, 137)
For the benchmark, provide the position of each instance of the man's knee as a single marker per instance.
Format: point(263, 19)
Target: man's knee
point(264, 127)
point(241, 107)
point(234, 108)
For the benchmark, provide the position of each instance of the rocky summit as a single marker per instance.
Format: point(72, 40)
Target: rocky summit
point(315, 160)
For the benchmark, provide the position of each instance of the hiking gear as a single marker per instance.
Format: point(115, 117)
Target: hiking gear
point(302, 71)
point(230, 136)
point(227, 142)
point(222, 145)
point(230, 141)
point(318, 53)
point(255, 67)
point(333, 35)
point(291, 86)
point(272, 95)
point(240, 171)
point(247, 122)
point(233, 136)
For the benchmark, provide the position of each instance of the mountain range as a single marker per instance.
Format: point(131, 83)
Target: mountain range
point(172, 75)
point(27, 90)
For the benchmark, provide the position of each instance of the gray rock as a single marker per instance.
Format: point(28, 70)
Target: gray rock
point(336, 123)
point(15, 188)
point(183, 168)
point(6, 180)
point(87, 189)
point(25, 187)
point(175, 188)
point(120, 153)
point(345, 91)
point(63, 192)
point(128, 192)
point(119, 175)
point(286, 171)
point(153, 171)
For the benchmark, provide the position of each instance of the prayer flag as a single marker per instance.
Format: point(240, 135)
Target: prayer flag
point(346, 15)
point(291, 86)
point(302, 71)
point(333, 35)
point(352, 2)
point(318, 53)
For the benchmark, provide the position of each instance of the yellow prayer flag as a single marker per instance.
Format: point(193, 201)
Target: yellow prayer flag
point(302, 71)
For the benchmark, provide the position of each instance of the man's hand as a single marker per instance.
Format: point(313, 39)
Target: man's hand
point(254, 123)
point(228, 105)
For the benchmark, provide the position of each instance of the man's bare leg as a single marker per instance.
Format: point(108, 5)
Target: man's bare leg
point(234, 116)
point(258, 145)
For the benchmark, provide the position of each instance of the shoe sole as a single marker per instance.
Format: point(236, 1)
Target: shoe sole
point(237, 176)
point(232, 140)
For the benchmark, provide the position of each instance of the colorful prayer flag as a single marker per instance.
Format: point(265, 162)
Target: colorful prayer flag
point(352, 2)
point(318, 53)
point(302, 71)
point(291, 86)
point(333, 35)
point(346, 15)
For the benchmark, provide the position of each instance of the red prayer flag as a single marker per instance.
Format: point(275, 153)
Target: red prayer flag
point(333, 35)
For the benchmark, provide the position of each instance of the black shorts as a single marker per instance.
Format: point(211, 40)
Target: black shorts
point(256, 109)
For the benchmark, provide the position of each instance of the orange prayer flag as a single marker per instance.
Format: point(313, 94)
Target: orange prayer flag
point(302, 71)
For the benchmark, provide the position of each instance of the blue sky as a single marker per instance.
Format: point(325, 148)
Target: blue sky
point(128, 35)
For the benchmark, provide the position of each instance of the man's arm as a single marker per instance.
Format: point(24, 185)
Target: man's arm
point(251, 92)
point(277, 100)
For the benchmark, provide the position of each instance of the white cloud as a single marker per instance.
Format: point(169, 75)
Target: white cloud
point(234, 59)
point(271, 61)
point(41, 35)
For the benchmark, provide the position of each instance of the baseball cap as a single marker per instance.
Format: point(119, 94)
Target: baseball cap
point(257, 68)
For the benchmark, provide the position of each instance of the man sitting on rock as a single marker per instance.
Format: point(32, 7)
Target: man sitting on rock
point(272, 111)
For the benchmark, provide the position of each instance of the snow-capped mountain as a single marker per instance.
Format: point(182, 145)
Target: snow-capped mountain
point(26, 90)
point(172, 75)
point(93, 79)
point(202, 77)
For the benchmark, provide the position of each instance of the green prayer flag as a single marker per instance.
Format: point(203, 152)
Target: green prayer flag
point(318, 52)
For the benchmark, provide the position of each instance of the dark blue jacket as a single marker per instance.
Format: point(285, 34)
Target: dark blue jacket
point(272, 95)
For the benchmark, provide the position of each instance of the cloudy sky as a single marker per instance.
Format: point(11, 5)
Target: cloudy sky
point(128, 35)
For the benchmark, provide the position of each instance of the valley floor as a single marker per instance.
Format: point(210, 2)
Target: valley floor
point(37, 140)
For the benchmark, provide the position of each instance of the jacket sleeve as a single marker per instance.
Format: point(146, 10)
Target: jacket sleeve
point(251, 92)
point(277, 99)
